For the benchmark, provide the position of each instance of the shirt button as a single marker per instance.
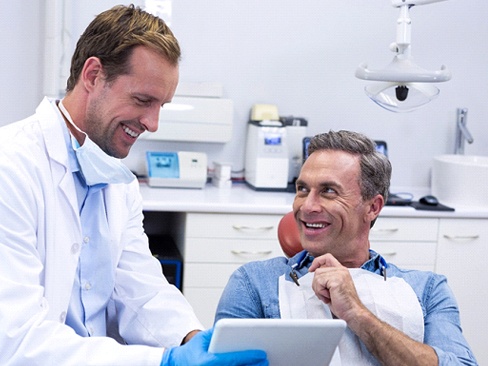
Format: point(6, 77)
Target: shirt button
point(75, 248)
point(86, 239)
point(62, 317)
point(88, 286)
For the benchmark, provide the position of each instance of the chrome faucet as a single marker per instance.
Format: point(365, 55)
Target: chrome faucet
point(462, 132)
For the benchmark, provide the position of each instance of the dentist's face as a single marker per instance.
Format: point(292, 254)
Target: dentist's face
point(119, 111)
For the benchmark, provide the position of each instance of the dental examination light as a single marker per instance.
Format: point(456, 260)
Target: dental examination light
point(403, 86)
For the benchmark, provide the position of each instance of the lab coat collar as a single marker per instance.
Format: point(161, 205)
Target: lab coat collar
point(53, 129)
point(52, 123)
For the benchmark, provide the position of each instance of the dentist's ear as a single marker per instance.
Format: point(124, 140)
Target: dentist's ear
point(92, 73)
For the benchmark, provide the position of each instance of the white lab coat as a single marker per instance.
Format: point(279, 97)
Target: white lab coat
point(40, 241)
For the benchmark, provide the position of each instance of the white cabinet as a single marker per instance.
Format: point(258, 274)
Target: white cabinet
point(461, 257)
point(216, 245)
point(407, 242)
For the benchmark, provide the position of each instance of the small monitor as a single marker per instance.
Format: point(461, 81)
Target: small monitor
point(305, 143)
point(163, 164)
point(381, 147)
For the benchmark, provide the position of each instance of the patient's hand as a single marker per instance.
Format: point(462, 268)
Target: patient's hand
point(333, 284)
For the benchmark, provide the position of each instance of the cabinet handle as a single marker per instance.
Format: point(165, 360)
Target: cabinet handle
point(246, 252)
point(384, 231)
point(388, 254)
point(461, 237)
point(250, 228)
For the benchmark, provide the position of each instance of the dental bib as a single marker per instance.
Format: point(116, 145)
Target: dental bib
point(393, 301)
point(96, 166)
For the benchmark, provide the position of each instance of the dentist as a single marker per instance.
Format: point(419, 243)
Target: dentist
point(78, 284)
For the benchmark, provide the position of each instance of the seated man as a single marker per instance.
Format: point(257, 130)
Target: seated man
point(394, 316)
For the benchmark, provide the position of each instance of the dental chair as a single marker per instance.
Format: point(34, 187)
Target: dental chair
point(288, 235)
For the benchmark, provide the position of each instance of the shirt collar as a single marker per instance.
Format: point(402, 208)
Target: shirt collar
point(302, 261)
point(375, 264)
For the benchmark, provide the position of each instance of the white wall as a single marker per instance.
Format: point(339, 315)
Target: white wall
point(21, 36)
point(301, 55)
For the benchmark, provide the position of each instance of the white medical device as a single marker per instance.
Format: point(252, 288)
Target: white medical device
point(266, 166)
point(182, 169)
point(403, 86)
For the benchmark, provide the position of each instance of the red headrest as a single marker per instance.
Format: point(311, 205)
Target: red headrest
point(288, 235)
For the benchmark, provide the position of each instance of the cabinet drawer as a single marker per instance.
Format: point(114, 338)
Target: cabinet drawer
point(401, 229)
point(208, 275)
point(231, 226)
point(230, 251)
point(410, 255)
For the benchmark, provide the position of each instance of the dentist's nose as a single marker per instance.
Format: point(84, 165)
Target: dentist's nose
point(150, 121)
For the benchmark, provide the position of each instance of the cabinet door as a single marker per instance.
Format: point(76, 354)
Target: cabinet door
point(461, 257)
point(215, 246)
point(407, 242)
point(204, 301)
point(408, 254)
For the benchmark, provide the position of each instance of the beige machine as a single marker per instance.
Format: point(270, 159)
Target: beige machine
point(267, 162)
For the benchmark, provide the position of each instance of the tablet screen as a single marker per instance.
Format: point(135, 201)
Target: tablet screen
point(286, 341)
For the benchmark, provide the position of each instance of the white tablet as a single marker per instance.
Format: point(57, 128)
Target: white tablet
point(286, 341)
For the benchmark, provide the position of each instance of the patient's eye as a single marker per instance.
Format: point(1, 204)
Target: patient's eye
point(301, 189)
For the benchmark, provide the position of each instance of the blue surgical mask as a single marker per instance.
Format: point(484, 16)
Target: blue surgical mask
point(96, 166)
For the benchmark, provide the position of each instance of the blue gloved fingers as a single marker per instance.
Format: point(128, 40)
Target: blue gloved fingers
point(241, 358)
point(195, 352)
point(206, 336)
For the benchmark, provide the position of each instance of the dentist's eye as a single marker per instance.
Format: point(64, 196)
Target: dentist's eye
point(142, 101)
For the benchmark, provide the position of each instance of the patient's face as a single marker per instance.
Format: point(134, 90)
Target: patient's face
point(331, 214)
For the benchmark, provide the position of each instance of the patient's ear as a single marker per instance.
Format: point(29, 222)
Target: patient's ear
point(375, 206)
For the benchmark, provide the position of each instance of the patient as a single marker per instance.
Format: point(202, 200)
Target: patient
point(394, 316)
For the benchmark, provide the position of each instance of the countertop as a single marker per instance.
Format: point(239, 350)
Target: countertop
point(242, 199)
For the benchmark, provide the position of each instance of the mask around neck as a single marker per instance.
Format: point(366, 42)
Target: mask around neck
point(96, 166)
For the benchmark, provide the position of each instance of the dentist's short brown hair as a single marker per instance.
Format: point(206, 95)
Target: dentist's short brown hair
point(112, 36)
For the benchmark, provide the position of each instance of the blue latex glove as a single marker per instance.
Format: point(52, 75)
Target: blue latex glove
point(195, 352)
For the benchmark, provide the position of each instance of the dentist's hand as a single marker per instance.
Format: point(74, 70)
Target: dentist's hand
point(195, 352)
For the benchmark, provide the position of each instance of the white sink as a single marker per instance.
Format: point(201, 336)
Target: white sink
point(460, 180)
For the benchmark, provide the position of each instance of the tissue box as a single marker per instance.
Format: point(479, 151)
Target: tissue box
point(222, 171)
point(221, 183)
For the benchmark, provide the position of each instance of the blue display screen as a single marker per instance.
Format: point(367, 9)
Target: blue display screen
point(272, 140)
point(381, 147)
point(163, 164)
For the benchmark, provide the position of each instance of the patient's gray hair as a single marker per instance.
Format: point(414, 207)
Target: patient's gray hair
point(375, 166)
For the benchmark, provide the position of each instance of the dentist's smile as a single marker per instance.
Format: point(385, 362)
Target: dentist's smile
point(130, 132)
